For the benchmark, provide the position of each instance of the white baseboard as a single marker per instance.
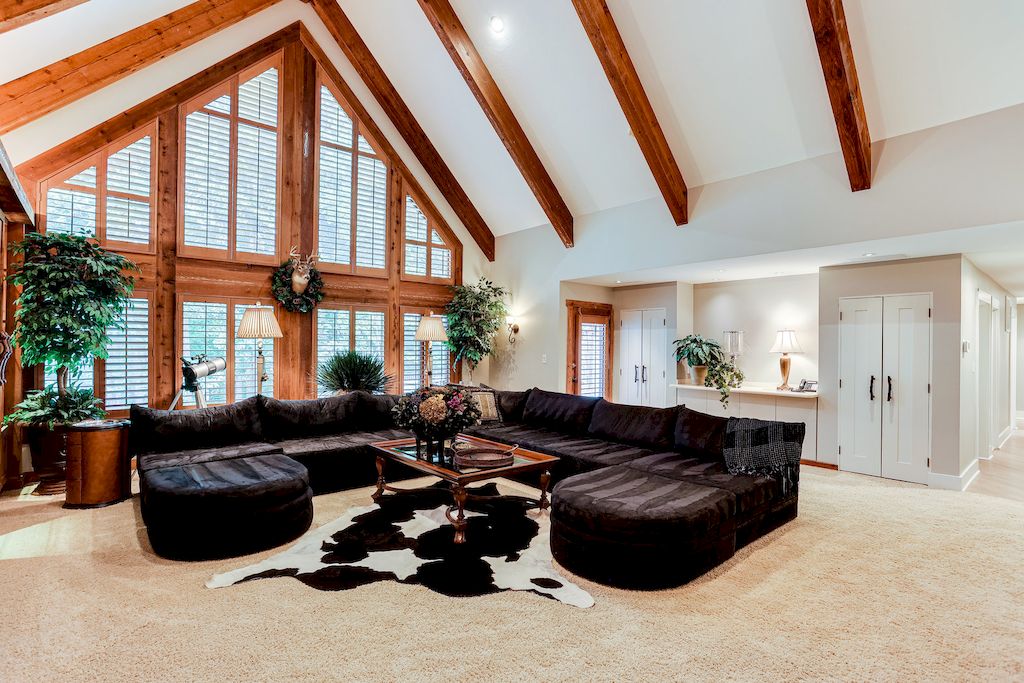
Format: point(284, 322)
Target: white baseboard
point(1020, 420)
point(1004, 437)
point(952, 482)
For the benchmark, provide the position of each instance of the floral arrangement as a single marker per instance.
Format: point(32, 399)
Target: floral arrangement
point(437, 412)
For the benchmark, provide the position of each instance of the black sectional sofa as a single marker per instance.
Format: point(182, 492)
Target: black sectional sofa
point(643, 498)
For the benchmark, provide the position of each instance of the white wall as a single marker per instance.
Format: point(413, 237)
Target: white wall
point(974, 281)
point(940, 276)
point(760, 308)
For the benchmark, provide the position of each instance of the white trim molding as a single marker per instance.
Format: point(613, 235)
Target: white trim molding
point(1003, 437)
point(952, 482)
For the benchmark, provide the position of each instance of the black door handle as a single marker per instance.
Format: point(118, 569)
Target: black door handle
point(636, 373)
point(889, 397)
point(871, 388)
point(643, 376)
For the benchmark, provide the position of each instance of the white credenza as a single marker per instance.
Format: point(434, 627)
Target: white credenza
point(758, 401)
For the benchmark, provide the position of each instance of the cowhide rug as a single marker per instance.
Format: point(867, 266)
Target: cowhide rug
point(407, 538)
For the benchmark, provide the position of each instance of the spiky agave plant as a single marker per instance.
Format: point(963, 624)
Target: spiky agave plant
point(353, 371)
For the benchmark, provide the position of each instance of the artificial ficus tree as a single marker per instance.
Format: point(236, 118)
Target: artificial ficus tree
point(475, 314)
point(72, 292)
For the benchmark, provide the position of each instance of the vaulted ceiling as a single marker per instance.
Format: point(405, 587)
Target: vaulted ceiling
point(736, 88)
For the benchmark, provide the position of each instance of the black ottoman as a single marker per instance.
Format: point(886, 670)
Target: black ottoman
point(632, 529)
point(226, 507)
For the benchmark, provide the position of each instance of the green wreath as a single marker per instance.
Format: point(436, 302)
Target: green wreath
point(281, 286)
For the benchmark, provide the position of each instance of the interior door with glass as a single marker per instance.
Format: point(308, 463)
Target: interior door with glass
point(589, 349)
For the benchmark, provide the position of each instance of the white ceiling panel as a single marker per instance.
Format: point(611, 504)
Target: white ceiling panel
point(547, 70)
point(736, 86)
point(409, 51)
point(923, 63)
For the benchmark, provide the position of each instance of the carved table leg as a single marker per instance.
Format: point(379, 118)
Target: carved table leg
point(380, 479)
point(545, 480)
point(460, 521)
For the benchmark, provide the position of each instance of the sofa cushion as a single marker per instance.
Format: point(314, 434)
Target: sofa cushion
point(581, 453)
point(161, 431)
point(700, 435)
point(640, 425)
point(153, 461)
point(563, 412)
point(753, 493)
point(330, 415)
point(510, 403)
point(625, 503)
point(375, 410)
point(338, 443)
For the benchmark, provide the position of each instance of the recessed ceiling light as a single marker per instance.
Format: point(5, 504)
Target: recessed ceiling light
point(618, 282)
point(497, 24)
point(869, 254)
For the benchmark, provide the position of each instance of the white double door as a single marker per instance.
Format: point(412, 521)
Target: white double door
point(885, 386)
point(643, 336)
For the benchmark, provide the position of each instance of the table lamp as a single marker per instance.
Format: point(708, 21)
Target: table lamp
point(430, 329)
point(258, 322)
point(785, 343)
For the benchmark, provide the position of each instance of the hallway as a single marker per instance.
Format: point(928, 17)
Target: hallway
point(1003, 475)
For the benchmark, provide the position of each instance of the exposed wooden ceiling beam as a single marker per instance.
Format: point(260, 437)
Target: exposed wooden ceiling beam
point(829, 23)
point(14, 204)
point(61, 83)
point(401, 116)
point(17, 13)
point(604, 35)
point(471, 65)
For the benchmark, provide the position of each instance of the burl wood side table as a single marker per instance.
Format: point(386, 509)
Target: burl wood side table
point(98, 469)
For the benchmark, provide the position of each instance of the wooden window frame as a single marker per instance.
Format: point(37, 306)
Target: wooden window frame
point(99, 160)
point(322, 80)
point(99, 365)
point(351, 308)
point(179, 342)
point(433, 225)
point(580, 312)
point(198, 103)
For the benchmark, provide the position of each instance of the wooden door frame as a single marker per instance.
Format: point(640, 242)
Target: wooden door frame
point(577, 312)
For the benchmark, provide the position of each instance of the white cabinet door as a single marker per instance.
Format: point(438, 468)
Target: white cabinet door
point(860, 385)
point(655, 354)
point(734, 408)
point(906, 411)
point(630, 357)
point(801, 410)
point(759, 407)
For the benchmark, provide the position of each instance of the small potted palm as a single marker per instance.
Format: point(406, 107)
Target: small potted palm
point(698, 352)
point(352, 371)
point(72, 293)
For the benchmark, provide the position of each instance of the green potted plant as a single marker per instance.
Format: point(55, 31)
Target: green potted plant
point(698, 352)
point(352, 371)
point(725, 376)
point(72, 293)
point(475, 314)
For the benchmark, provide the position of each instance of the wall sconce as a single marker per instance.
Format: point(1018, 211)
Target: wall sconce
point(513, 328)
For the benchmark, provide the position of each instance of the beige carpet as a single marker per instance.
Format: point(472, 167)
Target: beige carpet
point(874, 581)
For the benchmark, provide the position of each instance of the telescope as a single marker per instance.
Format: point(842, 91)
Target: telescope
point(193, 370)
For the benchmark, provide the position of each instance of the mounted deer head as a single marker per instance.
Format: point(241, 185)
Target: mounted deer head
point(301, 268)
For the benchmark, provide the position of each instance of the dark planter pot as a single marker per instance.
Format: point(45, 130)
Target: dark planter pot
point(49, 457)
point(432, 448)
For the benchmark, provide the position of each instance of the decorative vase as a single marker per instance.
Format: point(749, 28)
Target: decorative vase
point(432, 448)
point(698, 373)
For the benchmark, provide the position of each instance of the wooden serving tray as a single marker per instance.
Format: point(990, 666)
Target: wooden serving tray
point(485, 457)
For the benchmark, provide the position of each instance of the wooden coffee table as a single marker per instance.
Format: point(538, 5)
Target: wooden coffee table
point(404, 451)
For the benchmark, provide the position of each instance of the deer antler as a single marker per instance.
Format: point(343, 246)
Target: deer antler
point(312, 259)
point(294, 254)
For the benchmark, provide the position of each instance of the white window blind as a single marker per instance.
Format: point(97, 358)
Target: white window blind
point(204, 330)
point(72, 212)
point(371, 212)
point(369, 333)
point(332, 335)
point(334, 211)
point(424, 258)
point(225, 192)
point(129, 175)
point(593, 342)
point(245, 362)
point(207, 180)
point(83, 379)
point(412, 357)
point(126, 375)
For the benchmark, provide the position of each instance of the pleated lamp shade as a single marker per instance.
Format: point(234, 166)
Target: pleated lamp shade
point(785, 342)
point(258, 322)
point(431, 328)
